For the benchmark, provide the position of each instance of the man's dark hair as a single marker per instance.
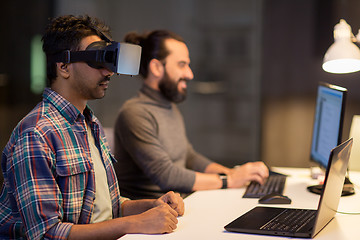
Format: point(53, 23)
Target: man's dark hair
point(66, 33)
point(153, 46)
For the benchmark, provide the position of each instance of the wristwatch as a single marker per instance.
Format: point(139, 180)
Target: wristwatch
point(223, 177)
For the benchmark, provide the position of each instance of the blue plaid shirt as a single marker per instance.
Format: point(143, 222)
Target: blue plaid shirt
point(49, 181)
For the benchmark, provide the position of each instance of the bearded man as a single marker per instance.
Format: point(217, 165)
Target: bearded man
point(151, 146)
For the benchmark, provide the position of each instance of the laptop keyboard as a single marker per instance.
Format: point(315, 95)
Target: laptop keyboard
point(290, 220)
point(274, 184)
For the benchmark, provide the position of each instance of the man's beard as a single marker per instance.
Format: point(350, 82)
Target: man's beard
point(170, 89)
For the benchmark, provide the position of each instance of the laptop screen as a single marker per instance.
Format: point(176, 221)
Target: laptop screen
point(328, 121)
point(333, 185)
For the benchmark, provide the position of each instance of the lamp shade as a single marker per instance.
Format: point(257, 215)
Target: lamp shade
point(343, 56)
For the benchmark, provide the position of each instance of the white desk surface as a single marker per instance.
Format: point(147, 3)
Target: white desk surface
point(207, 212)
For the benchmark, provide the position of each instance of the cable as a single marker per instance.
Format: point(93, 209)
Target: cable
point(358, 188)
point(348, 213)
point(351, 213)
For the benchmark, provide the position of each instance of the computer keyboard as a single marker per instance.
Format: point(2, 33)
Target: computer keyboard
point(290, 220)
point(274, 184)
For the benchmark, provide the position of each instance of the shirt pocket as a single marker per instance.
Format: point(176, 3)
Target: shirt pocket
point(76, 188)
point(72, 164)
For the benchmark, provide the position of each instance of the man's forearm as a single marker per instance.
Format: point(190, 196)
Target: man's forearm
point(111, 229)
point(142, 218)
point(207, 181)
point(133, 207)
point(216, 168)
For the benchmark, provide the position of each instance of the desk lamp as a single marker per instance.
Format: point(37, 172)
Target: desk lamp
point(343, 56)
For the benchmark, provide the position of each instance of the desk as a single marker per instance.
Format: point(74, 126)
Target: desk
point(207, 212)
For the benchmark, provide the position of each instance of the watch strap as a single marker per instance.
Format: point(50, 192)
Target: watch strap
point(223, 178)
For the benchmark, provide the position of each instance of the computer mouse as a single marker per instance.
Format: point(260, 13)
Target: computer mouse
point(275, 198)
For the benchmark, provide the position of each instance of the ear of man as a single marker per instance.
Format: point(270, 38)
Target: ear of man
point(63, 69)
point(156, 68)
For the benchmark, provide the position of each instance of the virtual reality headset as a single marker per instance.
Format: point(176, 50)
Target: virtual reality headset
point(120, 58)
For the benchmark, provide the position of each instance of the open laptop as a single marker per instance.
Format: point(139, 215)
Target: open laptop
point(266, 220)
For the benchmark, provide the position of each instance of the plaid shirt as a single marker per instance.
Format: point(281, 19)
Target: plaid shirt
point(49, 181)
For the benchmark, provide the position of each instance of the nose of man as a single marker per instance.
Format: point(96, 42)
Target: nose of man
point(106, 72)
point(189, 74)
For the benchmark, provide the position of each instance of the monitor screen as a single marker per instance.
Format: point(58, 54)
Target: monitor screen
point(328, 122)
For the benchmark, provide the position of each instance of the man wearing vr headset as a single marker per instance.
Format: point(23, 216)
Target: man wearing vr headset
point(153, 152)
point(59, 181)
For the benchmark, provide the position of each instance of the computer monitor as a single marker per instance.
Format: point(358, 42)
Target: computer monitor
point(328, 122)
point(327, 129)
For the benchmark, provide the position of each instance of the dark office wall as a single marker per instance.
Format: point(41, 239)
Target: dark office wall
point(19, 21)
point(288, 80)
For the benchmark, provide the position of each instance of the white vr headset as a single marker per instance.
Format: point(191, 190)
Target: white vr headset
point(120, 58)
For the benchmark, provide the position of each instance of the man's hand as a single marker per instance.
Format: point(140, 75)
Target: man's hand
point(173, 200)
point(251, 171)
point(160, 219)
point(151, 216)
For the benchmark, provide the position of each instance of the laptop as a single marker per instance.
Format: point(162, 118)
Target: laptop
point(283, 221)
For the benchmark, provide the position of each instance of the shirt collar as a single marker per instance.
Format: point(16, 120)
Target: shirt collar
point(156, 96)
point(68, 110)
